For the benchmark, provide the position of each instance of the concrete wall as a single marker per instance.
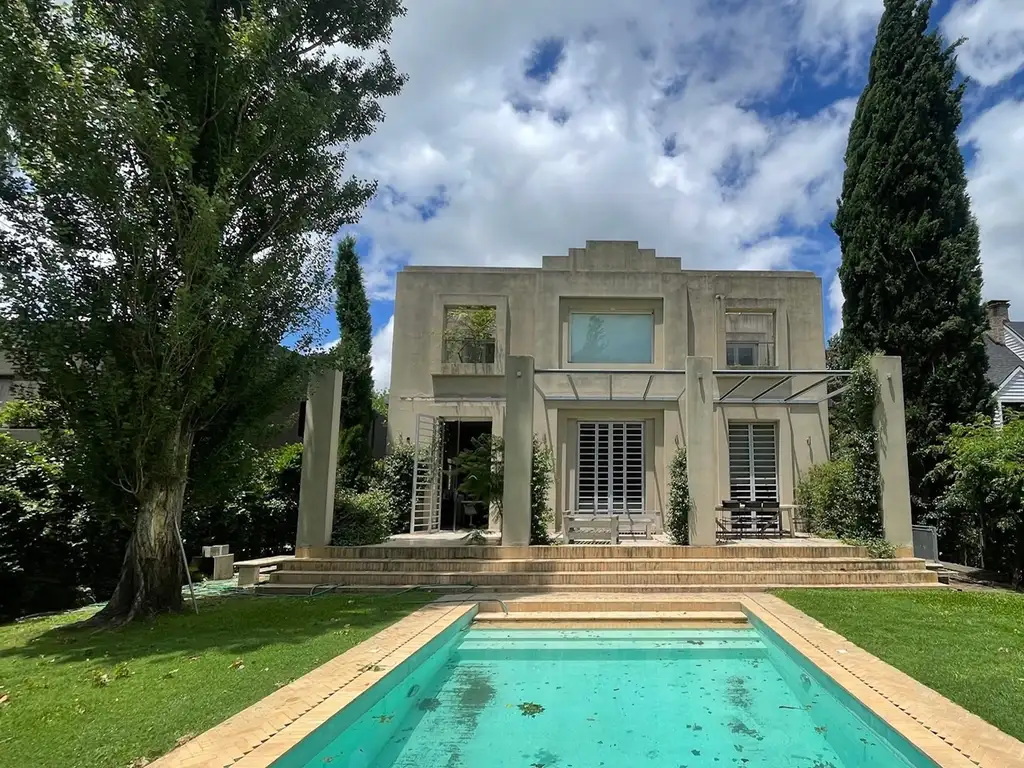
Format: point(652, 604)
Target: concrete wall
point(533, 306)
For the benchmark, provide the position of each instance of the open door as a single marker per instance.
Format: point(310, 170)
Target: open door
point(426, 475)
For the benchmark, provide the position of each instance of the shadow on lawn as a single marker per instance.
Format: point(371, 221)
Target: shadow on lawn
point(235, 625)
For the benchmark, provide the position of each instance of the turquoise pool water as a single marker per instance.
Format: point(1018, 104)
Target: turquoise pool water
point(484, 698)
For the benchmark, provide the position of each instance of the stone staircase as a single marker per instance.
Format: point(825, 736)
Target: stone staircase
point(597, 569)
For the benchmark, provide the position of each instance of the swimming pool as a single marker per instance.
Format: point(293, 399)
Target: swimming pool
point(555, 698)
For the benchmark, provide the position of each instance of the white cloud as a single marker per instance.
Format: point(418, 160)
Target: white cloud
point(994, 29)
point(996, 186)
point(521, 185)
point(380, 355)
point(744, 186)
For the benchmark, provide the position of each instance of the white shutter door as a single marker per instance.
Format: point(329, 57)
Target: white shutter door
point(753, 461)
point(610, 466)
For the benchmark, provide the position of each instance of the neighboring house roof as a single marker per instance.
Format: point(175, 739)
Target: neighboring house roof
point(1001, 361)
point(1016, 326)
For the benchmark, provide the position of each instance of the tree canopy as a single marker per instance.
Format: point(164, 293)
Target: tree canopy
point(355, 459)
point(911, 269)
point(175, 172)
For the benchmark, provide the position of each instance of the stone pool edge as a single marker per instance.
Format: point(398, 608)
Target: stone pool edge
point(943, 730)
point(263, 732)
point(257, 736)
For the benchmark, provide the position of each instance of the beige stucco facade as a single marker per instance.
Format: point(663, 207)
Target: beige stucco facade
point(533, 308)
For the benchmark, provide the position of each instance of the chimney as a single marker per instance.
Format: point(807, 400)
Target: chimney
point(998, 314)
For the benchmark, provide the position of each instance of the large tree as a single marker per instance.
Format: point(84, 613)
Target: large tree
point(911, 271)
point(181, 177)
point(355, 458)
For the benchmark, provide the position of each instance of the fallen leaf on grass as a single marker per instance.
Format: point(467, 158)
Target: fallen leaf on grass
point(169, 674)
point(185, 739)
point(238, 664)
point(4, 698)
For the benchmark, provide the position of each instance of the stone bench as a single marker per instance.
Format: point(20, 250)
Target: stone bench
point(249, 570)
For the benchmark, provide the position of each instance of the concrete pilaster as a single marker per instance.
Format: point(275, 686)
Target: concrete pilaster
point(518, 436)
point(701, 472)
point(319, 460)
point(890, 421)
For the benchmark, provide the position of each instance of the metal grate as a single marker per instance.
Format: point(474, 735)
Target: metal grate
point(610, 466)
point(753, 461)
point(426, 475)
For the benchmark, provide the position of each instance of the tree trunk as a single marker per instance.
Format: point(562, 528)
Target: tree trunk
point(152, 573)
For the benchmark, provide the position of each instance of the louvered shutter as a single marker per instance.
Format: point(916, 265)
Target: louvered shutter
point(610, 466)
point(753, 461)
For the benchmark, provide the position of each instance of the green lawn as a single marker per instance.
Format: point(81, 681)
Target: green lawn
point(85, 698)
point(968, 646)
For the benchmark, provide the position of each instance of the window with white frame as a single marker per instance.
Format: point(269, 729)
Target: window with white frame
point(610, 466)
point(753, 461)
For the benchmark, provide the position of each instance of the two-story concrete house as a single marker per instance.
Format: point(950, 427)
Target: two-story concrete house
point(610, 327)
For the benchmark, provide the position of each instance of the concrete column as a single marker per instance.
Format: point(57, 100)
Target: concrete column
point(701, 472)
point(319, 460)
point(890, 421)
point(518, 435)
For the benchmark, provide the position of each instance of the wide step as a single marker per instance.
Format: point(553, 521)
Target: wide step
point(590, 565)
point(602, 618)
point(741, 579)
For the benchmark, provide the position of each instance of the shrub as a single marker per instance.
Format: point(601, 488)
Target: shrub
point(679, 502)
point(260, 514)
point(393, 474)
point(361, 519)
point(56, 551)
point(842, 497)
point(981, 513)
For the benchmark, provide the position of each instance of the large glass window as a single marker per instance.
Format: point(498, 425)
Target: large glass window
point(613, 337)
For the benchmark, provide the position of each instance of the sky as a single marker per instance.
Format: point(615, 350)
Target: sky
point(712, 130)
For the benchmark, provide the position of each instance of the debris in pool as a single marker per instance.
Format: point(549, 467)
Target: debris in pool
point(742, 729)
point(428, 704)
point(822, 729)
point(413, 691)
point(695, 727)
point(695, 642)
point(385, 718)
point(786, 706)
point(695, 752)
point(529, 709)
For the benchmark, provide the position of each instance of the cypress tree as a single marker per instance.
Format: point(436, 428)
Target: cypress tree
point(354, 455)
point(911, 270)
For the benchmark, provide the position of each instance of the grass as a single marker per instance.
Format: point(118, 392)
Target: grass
point(968, 646)
point(92, 699)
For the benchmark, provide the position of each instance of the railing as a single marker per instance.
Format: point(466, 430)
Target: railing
point(749, 354)
point(479, 351)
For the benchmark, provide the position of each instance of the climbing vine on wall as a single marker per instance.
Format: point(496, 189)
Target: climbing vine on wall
point(842, 497)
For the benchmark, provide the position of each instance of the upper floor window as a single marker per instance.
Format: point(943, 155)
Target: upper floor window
point(469, 334)
point(611, 337)
point(750, 339)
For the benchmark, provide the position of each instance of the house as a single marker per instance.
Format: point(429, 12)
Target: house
point(610, 328)
point(1004, 344)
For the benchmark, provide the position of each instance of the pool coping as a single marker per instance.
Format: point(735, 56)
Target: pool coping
point(943, 730)
point(257, 736)
point(261, 733)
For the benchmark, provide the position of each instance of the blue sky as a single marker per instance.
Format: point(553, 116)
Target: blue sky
point(707, 129)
